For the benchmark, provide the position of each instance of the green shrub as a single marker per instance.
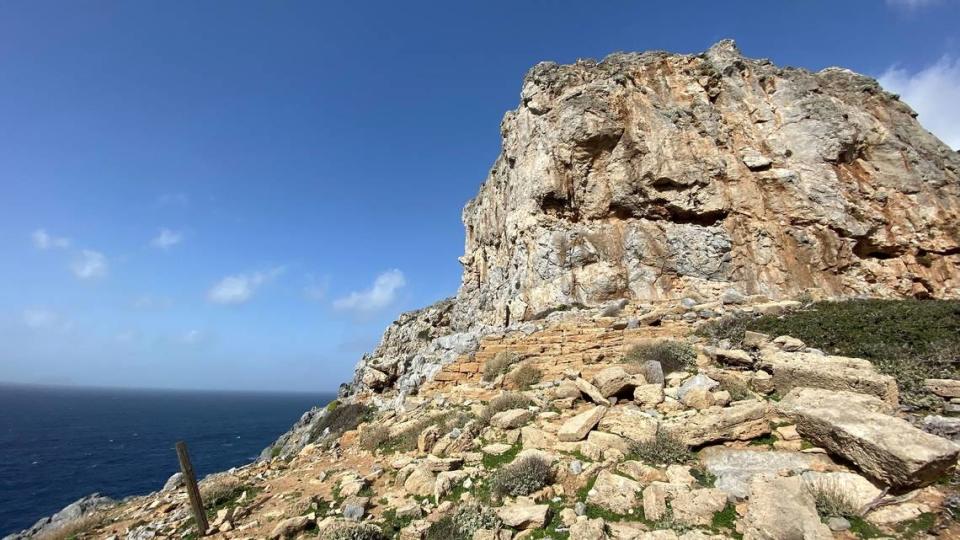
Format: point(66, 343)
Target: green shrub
point(522, 477)
point(525, 376)
point(910, 340)
point(462, 524)
point(737, 388)
point(504, 402)
point(499, 364)
point(340, 419)
point(355, 531)
point(444, 529)
point(332, 405)
point(673, 355)
point(663, 449)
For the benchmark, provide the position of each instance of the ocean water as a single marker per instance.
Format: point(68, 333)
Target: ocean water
point(58, 444)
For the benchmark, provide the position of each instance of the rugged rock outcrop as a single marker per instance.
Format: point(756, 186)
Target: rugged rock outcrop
point(653, 176)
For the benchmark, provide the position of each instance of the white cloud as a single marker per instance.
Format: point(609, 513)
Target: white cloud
point(90, 265)
point(40, 318)
point(152, 302)
point(166, 239)
point(191, 337)
point(239, 288)
point(911, 4)
point(43, 240)
point(379, 295)
point(316, 289)
point(934, 93)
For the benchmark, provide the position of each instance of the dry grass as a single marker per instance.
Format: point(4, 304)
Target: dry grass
point(220, 489)
point(525, 376)
point(74, 529)
point(499, 364)
point(504, 402)
point(831, 499)
point(373, 437)
point(673, 355)
point(663, 449)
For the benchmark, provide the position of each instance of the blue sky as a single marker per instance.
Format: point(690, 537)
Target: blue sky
point(244, 194)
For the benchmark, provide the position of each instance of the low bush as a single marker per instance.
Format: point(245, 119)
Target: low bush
point(673, 355)
point(462, 524)
point(373, 437)
point(220, 489)
point(504, 402)
point(663, 449)
point(355, 531)
point(522, 477)
point(407, 439)
point(832, 500)
point(525, 376)
point(910, 340)
point(499, 364)
point(339, 419)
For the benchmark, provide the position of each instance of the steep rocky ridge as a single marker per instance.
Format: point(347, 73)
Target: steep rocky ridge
point(659, 176)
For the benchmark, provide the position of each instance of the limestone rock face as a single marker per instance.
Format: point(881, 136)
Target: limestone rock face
point(647, 175)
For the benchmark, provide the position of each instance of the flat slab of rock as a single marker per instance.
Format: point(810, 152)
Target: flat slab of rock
point(614, 380)
point(615, 493)
point(496, 449)
point(524, 516)
point(629, 422)
point(735, 469)
point(576, 428)
point(781, 508)
point(591, 392)
point(796, 369)
point(742, 421)
point(696, 507)
point(886, 448)
point(947, 388)
point(511, 419)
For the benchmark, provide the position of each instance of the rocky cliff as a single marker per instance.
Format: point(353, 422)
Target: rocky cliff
point(660, 176)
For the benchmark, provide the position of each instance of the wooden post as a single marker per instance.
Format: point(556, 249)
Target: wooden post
point(192, 490)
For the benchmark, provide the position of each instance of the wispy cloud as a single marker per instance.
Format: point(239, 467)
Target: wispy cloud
point(90, 265)
point(911, 4)
point(43, 240)
point(166, 239)
point(191, 337)
point(152, 302)
point(239, 288)
point(381, 294)
point(38, 318)
point(934, 93)
point(316, 288)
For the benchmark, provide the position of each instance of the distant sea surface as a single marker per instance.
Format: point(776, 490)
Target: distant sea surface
point(58, 444)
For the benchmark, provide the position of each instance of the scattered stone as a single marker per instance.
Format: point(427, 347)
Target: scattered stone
point(591, 392)
point(697, 507)
point(355, 507)
point(789, 344)
point(496, 449)
point(885, 447)
point(511, 419)
point(629, 422)
point(735, 469)
point(697, 382)
point(175, 481)
point(524, 516)
point(420, 482)
point(652, 372)
point(614, 492)
point(614, 380)
point(698, 398)
point(576, 428)
point(576, 466)
point(755, 340)
point(781, 508)
point(290, 527)
point(741, 421)
point(838, 524)
point(648, 395)
point(428, 438)
point(947, 388)
point(641, 472)
point(588, 529)
point(730, 357)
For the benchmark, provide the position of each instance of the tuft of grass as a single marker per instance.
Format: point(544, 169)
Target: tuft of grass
point(663, 449)
point(862, 528)
point(462, 524)
point(525, 376)
point(74, 528)
point(522, 477)
point(673, 355)
point(832, 500)
point(220, 489)
point(504, 402)
point(491, 461)
point(499, 364)
point(332, 405)
point(724, 520)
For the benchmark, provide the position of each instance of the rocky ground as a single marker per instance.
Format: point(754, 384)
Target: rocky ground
point(678, 436)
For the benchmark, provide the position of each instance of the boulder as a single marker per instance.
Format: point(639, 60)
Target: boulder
point(420, 482)
point(290, 527)
point(576, 428)
point(614, 380)
point(781, 508)
point(946, 388)
point(524, 516)
point(614, 492)
point(698, 398)
point(886, 448)
point(730, 357)
point(174, 482)
point(566, 389)
point(591, 392)
point(629, 422)
point(446, 481)
point(789, 343)
point(588, 529)
point(696, 507)
point(735, 469)
point(741, 421)
point(655, 497)
point(496, 449)
point(853, 488)
point(648, 395)
point(641, 472)
point(511, 419)
point(355, 508)
point(697, 382)
point(793, 370)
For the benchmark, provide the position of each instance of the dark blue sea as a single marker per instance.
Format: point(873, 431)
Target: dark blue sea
point(58, 444)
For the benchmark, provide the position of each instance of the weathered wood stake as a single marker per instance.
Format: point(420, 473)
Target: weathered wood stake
point(192, 490)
